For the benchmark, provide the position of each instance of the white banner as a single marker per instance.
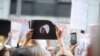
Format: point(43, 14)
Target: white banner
point(79, 14)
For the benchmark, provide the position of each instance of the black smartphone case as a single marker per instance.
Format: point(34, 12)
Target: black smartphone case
point(37, 24)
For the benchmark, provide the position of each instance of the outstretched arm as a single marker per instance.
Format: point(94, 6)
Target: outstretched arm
point(63, 49)
point(59, 37)
point(28, 38)
point(7, 40)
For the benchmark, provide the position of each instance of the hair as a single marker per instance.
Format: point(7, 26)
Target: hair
point(37, 51)
point(56, 48)
point(20, 52)
point(29, 51)
point(63, 55)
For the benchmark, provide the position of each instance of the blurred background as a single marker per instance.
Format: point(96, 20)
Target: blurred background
point(72, 15)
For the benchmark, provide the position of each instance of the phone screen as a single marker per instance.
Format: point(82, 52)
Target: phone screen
point(43, 29)
point(73, 38)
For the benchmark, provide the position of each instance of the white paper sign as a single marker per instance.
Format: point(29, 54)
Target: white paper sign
point(16, 28)
point(79, 14)
point(14, 39)
point(25, 28)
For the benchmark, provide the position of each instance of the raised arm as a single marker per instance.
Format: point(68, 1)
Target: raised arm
point(28, 38)
point(59, 37)
point(63, 49)
point(9, 37)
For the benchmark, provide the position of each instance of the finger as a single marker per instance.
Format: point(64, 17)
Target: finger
point(30, 31)
point(10, 34)
point(56, 29)
point(60, 32)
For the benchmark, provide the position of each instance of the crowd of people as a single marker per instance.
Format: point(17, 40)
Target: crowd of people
point(36, 50)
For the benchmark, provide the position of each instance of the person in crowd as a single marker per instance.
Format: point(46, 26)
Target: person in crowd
point(73, 43)
point(63, 51)
point(24, 50)
point(10, 36)
point(28, 51)
point(36, 50)
point(53, 49)
point(4, 52)
point(83, 43)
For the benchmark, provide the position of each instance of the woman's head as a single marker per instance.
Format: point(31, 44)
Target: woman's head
point(37, 51)
point(20, 52)
point(28, 51)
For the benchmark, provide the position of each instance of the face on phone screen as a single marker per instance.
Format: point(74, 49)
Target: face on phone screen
point(43, 29)
point(73, 38)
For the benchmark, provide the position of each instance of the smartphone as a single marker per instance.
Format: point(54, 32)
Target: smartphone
point(43, 29)
point(73, 39)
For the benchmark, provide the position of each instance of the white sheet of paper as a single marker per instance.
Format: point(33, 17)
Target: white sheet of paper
point(14, 39)
point(15, 29)
point(16, 26)
point(79, 16)
point(25, 28)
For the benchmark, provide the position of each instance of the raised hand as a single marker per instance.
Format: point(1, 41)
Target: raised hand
point(10, 34)
point(28, 37)
point(29, 34)
point(58, 33)
point(64, 52)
